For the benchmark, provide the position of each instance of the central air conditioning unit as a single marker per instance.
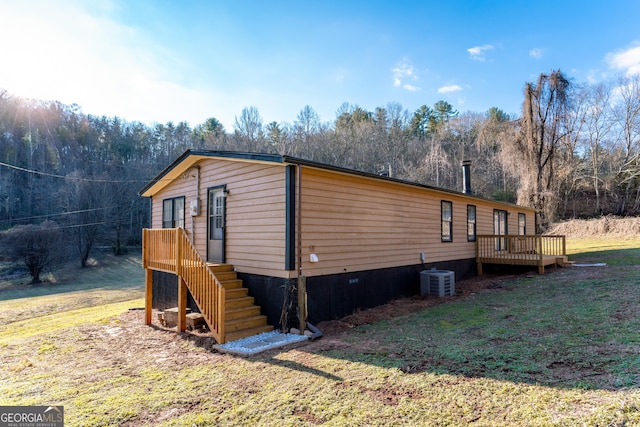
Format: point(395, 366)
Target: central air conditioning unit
point(440, 283)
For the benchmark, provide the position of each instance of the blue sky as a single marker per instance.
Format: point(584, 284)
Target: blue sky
point(161, 60)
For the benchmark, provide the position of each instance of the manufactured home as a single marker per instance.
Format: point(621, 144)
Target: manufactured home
point(251, 240)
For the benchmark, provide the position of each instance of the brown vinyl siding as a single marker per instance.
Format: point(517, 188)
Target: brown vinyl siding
point(351, 222)
point(355, 223)
point(255, 212)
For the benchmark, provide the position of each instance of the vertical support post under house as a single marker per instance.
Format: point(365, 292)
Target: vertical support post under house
point(182, 305)
point(148, 295)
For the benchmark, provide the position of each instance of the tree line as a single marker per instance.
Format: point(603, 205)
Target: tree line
point(573, 152)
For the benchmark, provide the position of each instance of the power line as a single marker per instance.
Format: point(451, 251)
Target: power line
point(82, 225)
point(62, 227)
point(58, 214)
point(72, 178)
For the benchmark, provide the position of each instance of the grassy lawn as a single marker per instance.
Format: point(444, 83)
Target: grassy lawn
point(558, 349)
point(111, 280)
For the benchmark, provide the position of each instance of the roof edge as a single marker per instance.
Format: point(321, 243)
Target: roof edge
point(275, 158)
point(283, 159)
point(324, 166)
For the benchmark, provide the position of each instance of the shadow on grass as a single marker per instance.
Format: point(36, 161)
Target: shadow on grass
point(289, 364)
point(570, 328)
point(207, 342)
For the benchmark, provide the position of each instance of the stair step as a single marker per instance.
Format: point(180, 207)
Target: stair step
point(236, 335)
point(231, 284)
point(235, 293)
point(242, 312)
point(234, 303)
point(226, 275)
point(245, 323)
point(219, 268)
point(242, 316)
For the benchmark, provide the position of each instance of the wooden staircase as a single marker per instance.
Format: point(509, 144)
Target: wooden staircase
point(242, 316)
point(228, 310)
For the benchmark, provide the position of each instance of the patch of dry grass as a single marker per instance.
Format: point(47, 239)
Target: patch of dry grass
point(606, 226)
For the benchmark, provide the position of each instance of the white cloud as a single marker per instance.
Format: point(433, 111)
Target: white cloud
point(75, 52)
point(627, 60)
point(449, 89)
point(402, 72)
point(478, 52)
point(536, 53)
point(340, 74)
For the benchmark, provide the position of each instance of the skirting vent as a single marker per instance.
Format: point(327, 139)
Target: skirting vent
point(437, 282)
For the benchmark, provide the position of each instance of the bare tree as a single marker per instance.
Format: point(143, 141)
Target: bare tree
point(543, 127)
point(306, 126)
point(596, 130)
point(249, 129)
point(37, 246)
point(627, 114)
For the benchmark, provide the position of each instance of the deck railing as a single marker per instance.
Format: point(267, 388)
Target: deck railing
point(525, 247)
point(171, 251)
point(523, 250)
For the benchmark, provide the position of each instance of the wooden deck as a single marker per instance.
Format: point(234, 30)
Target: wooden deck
point(538, 251)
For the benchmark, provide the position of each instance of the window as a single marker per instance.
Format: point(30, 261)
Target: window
point(471, 223)
point(447, 221)
point(173, 213)
point(522, 224)
point(500, 228)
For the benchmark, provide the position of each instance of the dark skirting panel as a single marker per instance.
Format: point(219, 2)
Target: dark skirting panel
point(268, 292)
point(334, 296)
point(165, 292)
point(329, 297)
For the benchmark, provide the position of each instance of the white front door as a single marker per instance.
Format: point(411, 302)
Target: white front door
point(216, 224)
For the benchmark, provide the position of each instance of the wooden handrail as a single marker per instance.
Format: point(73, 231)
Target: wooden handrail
point(171, 251)
point(519, 247)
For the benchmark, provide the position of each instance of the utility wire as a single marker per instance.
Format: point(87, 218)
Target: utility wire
point(82, 225)
point(62, 227)
point(59, 214)
point(72, 178)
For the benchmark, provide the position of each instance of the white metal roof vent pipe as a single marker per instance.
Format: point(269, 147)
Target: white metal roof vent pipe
point(466, 177)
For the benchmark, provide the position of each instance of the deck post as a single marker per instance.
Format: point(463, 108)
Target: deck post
point(479, 272)
point(145, 254)
point(182, 305)
point(302, 303)
point(539, 248)
point(148, 295)
point(178, 253)
point(540, 254)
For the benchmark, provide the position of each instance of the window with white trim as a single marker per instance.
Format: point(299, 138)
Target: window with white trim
point(447, 221)
point(173, 213)
point(471, 223)
point(522, 224)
